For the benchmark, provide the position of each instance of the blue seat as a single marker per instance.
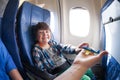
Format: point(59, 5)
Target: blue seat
point(28, 16)
point(110, 62)
point(0, 26)
point(8, 34)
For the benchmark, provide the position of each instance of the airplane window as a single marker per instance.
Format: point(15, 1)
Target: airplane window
point(79, 21)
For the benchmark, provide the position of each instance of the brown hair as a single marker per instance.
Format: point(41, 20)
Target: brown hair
point(40, 26)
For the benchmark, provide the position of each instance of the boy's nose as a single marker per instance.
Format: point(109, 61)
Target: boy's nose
point(44, 33)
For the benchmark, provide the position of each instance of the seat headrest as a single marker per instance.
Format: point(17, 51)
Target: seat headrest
point(28, 16)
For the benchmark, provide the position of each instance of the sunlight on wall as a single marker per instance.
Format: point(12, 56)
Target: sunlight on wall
point(52, 22)
point(21, 1)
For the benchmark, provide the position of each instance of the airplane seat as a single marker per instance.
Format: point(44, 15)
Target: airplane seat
point(28, 16)
point(0, 26)
point(110, 30)
point(8, 35)
point(103, 37)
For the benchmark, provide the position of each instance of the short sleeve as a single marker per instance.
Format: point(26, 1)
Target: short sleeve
point(10, 65)
point(8, 61)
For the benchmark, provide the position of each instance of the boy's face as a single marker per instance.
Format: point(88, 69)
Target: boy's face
point(43, 36)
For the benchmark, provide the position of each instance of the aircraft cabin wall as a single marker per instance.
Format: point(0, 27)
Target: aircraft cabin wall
point(93, 6)
point(93, 33)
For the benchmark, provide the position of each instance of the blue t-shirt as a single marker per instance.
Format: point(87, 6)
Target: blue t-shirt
point(6, 62)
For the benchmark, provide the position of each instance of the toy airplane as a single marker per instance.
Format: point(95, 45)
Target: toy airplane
point(89, 50)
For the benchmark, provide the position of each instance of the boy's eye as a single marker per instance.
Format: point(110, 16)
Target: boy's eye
point(47, 31)
point(40, 32)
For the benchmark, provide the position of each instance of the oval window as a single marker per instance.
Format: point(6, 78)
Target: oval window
point(79, 21)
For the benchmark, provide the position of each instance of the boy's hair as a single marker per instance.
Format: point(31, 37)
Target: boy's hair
point(42, 26)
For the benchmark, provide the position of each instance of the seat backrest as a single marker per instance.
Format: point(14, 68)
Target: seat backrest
point(29, 15)
point(111, 41)
point(103, 33)
point(8, 35)
point(0, 26)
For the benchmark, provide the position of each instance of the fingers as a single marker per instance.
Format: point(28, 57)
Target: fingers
point(88, 59)
point(84, 45)
point(102, 54)
point(87, 52)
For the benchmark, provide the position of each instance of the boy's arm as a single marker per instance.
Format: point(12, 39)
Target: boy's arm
point(15, 75)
